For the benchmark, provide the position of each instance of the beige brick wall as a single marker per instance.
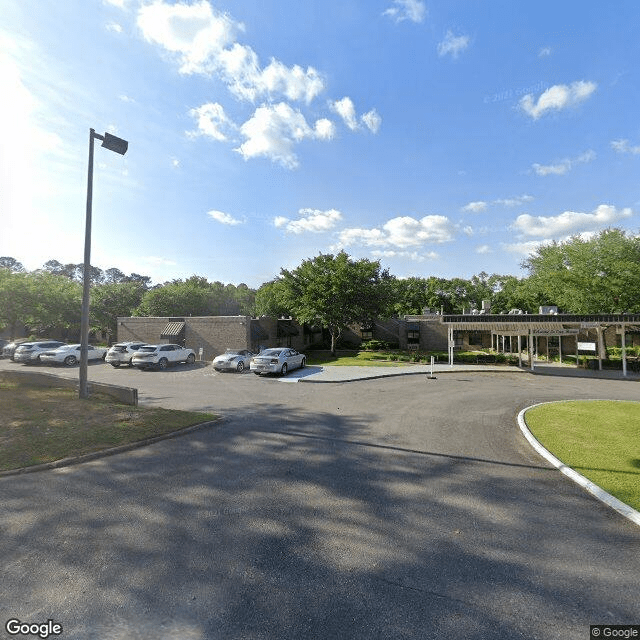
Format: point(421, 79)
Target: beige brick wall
point(144, 329)
point(215, 334)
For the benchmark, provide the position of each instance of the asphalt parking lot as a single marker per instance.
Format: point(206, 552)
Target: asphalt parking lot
point(390, 508)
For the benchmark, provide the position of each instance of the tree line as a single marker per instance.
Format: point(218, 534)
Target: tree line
point(599, 274)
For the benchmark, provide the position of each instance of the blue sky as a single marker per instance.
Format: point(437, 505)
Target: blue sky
point(441, 137)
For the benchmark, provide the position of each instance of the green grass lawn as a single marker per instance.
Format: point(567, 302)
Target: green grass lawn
point(361, 358)
point(43, 425)
point(599, 439)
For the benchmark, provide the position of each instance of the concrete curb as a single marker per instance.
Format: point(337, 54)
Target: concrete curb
point(599, 493)
point(103, 453)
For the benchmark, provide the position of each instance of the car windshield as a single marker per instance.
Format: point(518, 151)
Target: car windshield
point(119, 348)
point(271, 352)
point(148, 349)
point(231, 352)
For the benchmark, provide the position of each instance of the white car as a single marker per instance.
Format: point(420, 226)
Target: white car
point(122, 353)
point(69, 354)
point(277, 360)
point(160, 356)
point(233, 360)
point(30, 352)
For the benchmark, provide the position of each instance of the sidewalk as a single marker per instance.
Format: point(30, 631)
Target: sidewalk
point(315, 373)
point(319, 374)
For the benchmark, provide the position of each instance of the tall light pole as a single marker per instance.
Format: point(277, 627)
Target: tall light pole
point(119, 146)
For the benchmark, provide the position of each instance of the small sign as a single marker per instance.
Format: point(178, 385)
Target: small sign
point(586, 346)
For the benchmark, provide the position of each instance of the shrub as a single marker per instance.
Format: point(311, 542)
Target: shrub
point(374, 345)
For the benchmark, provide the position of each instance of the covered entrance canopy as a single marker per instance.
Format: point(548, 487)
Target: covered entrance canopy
point(533, 325)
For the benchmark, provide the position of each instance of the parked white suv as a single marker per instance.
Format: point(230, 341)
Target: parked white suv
point(31, 351)
point(160, 356)
point(122, 353)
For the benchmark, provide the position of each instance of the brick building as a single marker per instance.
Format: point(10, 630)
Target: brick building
point(215, 334)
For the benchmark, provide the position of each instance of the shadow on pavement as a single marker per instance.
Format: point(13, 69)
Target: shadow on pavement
point(281, 524)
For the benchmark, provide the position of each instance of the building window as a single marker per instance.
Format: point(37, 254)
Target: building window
point(366, 334)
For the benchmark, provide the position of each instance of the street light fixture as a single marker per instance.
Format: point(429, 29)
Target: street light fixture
point(118, 145)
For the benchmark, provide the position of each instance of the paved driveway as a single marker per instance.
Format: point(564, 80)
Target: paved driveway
point(390, 508)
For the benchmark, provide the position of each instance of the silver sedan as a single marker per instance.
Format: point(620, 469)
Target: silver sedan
point(278, 360)
point(233, 360)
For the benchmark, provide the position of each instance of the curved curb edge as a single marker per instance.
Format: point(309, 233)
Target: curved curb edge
point(599, 493)
point(103, 453)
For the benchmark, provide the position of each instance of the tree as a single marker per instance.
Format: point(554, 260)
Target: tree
point(270, 301)
point(191, 297)
point(6, 262)
point(111, 301)
point(16, 300)
point(409, 295)
point(56, 304)
point(335, 291)
point(595, 275)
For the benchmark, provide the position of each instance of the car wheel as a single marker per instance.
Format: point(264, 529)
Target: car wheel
point(163, 363)
point(191, 358)
point(284, 369)
point(240, 367)
point(70, 361)
point(116, 364)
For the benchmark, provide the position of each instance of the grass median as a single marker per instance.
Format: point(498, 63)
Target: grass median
point(598, 438)
point(42, 425)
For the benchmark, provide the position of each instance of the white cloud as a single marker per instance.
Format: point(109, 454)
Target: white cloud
point(205, 43)
point(273, 130)
point(240, 68)
point(325, 129)
point(212, 122)
point(313, 220)
point(468, 231)
point(483, 249)
point(223, 218)
point(372, 120)
point(414, 10)
point(563, 166)
point(524, 248)
point(411, 255)
point(569, 222)
point(475, 207)
point(514, 202)
point(401, 232)
point(114, 27)
point(452, 45)
point(623, 146)
point(194, 32)
point(347, 111)
point(544, 52)
point(280, 221)
point(480, 205)
point(556, 98)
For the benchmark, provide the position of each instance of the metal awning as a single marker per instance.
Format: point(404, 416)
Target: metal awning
point(552, 324)
point(172, 330)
